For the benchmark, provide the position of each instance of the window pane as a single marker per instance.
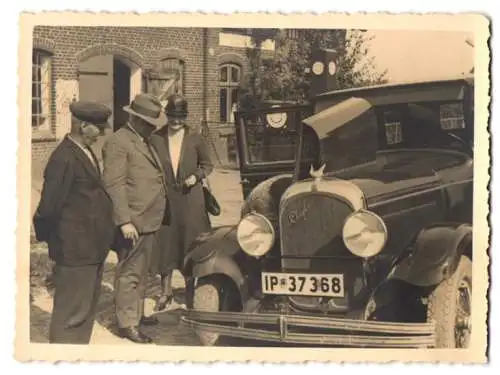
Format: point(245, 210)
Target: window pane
point(392, 120)
point(235, 74)
point(35, 73)
point(41, 89)
point(35, 106)
point(223, 74)
point(267, 145)
point(223, 105)
point(451, 116)
point(45, 69)
point(393, 133)
point(45, 99)
point(234, 95)
point(35, 90)
point(234, 101)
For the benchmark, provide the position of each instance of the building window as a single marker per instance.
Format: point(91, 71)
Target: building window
point(229, 81)
point(167, 78)
point(41, 90)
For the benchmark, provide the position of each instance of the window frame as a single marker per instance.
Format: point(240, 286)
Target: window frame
point(160, 75)
point(229, 85)
point(43, 130)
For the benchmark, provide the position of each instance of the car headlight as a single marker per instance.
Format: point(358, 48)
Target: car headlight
point(364, 233)
point(255, 234)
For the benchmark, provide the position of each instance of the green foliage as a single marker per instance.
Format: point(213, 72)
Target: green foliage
point(356, 67)
point(284, 77)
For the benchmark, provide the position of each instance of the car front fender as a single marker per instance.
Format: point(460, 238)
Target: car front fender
point(213, 253)
point(436, 254)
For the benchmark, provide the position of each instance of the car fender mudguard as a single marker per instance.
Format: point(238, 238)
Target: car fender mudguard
point(435, 256)
point(212, 253)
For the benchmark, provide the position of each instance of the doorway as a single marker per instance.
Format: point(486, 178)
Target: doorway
point(121, 92)
point(113, 81)
point(110, 80)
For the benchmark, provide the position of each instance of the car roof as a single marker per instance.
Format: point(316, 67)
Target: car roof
point(342, 110)
point(450, 89)
point(356, 91)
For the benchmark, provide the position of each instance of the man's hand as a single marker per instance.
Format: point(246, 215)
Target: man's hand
point(190, 181)
point(129, 232)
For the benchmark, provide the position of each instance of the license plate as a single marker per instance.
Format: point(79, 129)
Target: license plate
point(303, 284)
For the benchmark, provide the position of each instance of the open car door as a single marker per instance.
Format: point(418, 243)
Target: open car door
point(267, 141)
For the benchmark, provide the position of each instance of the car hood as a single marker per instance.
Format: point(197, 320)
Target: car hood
point(395, 175)
point(376, 190)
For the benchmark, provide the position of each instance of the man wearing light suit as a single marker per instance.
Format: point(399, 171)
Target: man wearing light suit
point(134, 178)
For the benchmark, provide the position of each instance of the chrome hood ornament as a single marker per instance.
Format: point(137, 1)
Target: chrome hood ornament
point(317, 175)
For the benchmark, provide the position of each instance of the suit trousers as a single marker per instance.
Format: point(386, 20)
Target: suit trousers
point(131, 279)
point(77, 292)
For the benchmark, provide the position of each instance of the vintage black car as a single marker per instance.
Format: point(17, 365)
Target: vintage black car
point(356, 230)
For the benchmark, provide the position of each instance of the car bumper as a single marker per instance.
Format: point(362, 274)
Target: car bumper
point(293, 329)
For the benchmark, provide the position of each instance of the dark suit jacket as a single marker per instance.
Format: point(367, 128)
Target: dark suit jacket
point(75, 213)
point(187, 206)
point(134, 179)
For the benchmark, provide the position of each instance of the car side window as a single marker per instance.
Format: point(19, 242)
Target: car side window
point(392, 119)
point(451, 116)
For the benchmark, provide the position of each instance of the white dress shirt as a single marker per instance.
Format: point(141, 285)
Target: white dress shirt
point(85, 150)
point(175, 144)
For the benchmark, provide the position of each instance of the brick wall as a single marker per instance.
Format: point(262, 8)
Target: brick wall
point(143, 47)
point(140, 45)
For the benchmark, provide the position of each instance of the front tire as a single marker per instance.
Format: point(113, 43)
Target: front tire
point(449, 305)
point(212, 295)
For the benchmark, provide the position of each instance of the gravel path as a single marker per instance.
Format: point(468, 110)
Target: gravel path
point(225, 187)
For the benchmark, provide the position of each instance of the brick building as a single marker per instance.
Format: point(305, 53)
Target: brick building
point(113, 64)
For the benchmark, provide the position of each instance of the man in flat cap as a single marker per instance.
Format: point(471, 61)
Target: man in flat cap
point(134, 178)
point(75, 218)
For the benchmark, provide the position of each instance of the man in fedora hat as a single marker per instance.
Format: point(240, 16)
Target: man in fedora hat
point(75, 218)
point(134, 178)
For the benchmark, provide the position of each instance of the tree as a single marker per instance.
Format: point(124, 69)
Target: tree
point(284, 76)
point(356, 67)
point(254, 76)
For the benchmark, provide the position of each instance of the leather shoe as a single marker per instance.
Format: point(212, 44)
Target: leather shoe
point(133, 334)
point(164, 302)
point(149, 320)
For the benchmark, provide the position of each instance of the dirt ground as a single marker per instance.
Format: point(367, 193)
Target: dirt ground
point(226, 188)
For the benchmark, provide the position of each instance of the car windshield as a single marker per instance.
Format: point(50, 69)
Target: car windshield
point(274, 137)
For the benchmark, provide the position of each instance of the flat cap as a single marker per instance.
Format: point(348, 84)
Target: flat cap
point(88, 111)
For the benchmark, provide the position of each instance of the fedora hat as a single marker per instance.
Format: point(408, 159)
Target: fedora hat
point(148, 108)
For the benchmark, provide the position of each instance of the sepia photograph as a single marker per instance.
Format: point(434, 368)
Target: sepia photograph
point(233, 186)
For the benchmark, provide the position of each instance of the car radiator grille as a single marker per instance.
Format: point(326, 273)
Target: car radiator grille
point(311, 227)
point(311, 242)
